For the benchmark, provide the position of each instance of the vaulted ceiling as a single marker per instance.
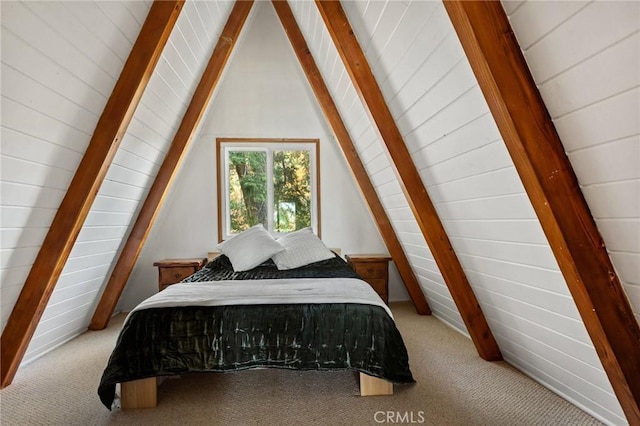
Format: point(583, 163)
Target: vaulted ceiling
point(458, 147)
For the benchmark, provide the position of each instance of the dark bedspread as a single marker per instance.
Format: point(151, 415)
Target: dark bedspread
point(220, 269)
point(179, 340)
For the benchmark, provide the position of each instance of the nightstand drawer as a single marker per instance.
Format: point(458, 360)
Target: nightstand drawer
point(374, 269)
point(371, 269)
point(175, 274)
point(171, 271)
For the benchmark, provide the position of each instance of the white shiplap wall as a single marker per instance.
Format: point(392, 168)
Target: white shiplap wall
point(58, 71)
point(434, 97)
point(60, 61)
point(585, 59)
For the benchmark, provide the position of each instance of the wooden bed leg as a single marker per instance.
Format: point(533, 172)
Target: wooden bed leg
point(141, 393)
point(370, 386)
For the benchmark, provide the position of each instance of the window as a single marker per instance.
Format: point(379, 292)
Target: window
point(269, 181)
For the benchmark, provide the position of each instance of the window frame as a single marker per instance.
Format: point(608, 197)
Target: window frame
point(268, 145)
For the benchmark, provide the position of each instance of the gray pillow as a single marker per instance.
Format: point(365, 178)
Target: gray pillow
point(301, 248)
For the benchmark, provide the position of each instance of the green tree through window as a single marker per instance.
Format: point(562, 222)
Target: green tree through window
point(292, 190)
point(271, 183)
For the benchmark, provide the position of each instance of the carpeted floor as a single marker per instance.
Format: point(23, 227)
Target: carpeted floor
point(454, 387)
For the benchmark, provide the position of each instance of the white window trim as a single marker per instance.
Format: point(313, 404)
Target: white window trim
point(224, 145)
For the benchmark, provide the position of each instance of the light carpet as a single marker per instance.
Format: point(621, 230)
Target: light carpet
point(454, 387)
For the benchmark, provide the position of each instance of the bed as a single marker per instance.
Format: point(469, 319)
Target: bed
point(320, 316)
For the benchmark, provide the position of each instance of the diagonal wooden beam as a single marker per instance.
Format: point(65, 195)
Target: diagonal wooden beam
point(85, 184)
point(547, 175)
point(371, 96)
point(170, 165)
point(351, 154)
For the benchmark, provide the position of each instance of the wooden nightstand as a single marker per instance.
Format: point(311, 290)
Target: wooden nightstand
point(171, 271)
point(374, 269)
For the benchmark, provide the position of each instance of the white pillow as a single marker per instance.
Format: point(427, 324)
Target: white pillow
point(250, 248)
point(301, 248)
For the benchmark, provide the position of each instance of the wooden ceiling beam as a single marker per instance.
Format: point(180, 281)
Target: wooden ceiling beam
point(334, 119)
point(170, 165)
point(372, 99)
point(552, 187)
point(85, 184)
